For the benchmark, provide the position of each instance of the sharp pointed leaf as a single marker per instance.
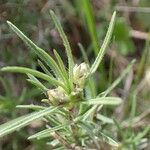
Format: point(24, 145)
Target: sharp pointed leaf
point(46, 133)
point(36, 82)
point(104, 101)
point(40, 52)
point(120, 78)
point(66, 44)
point(44, 68)
point(23, 121)
point(35, 73)
point(31, 106)
point(108, 140)
point(104, 45)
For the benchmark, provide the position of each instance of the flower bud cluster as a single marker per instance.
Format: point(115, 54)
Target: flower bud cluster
point(58, 96)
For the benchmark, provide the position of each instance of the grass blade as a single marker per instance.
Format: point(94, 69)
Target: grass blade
point(23, 121)
point(90, 23)
point(104, 45)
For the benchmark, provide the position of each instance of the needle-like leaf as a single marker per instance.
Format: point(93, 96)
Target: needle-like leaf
point(108, 140)
point(44, 68)
point(62, 67)
point(36, 82)
point(120, 78)
point(40, 52)
point(31, 106)
point(104, 119)
point(104, 101)
point(46, 133)
point(104, 45)
point(23, 121)
point(84, 54)
point(66, 44)
point(35, 73)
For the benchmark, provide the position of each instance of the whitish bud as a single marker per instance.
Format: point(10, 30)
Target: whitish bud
point(56, 96)
point(79, 74)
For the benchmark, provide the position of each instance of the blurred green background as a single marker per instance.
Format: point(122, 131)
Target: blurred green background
point(85, 22)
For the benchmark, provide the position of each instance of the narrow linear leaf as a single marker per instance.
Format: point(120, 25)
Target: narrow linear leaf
point(85, 125)
point(84, 55)
point(66, 44)
point(104, 45)
point(40, 52)
point(104, 119)
point(88, 113)
point(88, 15)
point(23, 121)
point(31, 106)
point(35, 73)
point(108, 140)
point(120, 78)
point(104, 101)
point(44, 68)
point(61, 65)
point(118, 125)
point(46, 133)
point(63, 70)
point(6, 87)
point(53, 120)
point(140, 135)
point(113, 85)
point(36, 82)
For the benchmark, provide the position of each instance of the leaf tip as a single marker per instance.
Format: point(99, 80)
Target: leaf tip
point(8, 22)
point(29, 138)
point(51, 12)
point(3, 69)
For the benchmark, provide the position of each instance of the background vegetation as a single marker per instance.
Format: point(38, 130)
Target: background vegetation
point(85, 22)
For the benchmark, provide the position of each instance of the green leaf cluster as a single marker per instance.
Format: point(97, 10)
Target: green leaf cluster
point(68, 112)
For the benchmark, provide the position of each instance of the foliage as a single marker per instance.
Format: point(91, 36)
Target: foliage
point(128, 124)
point(66, 100)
